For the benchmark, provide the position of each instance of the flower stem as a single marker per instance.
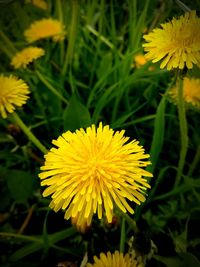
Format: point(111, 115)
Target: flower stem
point(122, 236)
point(102, 38)
point(195, 162)
point(183, 130)
point(72, 36)
point(50, 87)
point(60, 16)
point(8, 43)
point(15, 118)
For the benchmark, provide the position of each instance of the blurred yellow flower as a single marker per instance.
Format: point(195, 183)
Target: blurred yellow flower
point(92, 169)
point(191, 92)
point(45, 28)
point(117, 259)
point(26, 56)
point(38, 3)
point(13, 93)
point(177, 43)
point(140, 60)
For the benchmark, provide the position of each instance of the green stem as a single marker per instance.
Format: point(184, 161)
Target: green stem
point(8, 42)
point(50, 87)
point(7, 51)
point(28, 133)
point(116, 105)
point(72, 36)
point(194, 162)
point(122, 236)
point(60, 16)
point(183, 130)
point(102, 38)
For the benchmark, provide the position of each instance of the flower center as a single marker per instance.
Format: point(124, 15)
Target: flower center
point(93, 163)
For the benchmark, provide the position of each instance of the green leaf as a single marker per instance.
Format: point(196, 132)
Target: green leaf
point(20, 185)
point(26, 250)
point(40, 243)
point(76, 115)
point(105, 65)
point(169, 261)
point(189, 260)
point(158, 135)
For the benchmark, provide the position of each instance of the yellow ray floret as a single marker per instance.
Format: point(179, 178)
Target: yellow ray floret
point(92, 170)
point(191, 92)
point(13, 93)
point(176, 43)
point(26, 56)
point(45, 28)
point(117, 259)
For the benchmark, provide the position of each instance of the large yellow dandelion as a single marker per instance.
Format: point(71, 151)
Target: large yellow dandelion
point(116, 259)
point(176, 43)
point(45, 28)
point(191, 92)
point(26, 56)
point(13, 93)
point(93, 169)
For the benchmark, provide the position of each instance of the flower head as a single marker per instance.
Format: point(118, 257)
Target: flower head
point(26, 56)
point(45, 28)
point(14, 92)
point(92, 169)
point(191, 92)
point(38, 3)
point(140, 60)
point(176, 43)
point(116, 259)
point(83, 228)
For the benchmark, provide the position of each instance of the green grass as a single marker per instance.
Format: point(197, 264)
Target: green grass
point(90, 77)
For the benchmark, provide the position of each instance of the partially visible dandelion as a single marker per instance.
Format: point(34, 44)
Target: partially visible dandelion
point(140, 60)
point(45, 28)
point(83, 228)
point(176, 43)
point(38, 3)
point(117, 259)
point(26, 56)
point(191, 92)
point(92, 169)
point(13, 93)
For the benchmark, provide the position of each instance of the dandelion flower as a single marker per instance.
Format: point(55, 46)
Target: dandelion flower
point(38, 3)
point(140, 60)
point(176, 43)
point(92, 169)
point(13, 93)
point(191, 92)
point(117, 259)
point(26, 56)
point(45, 28)
point(83, 228)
